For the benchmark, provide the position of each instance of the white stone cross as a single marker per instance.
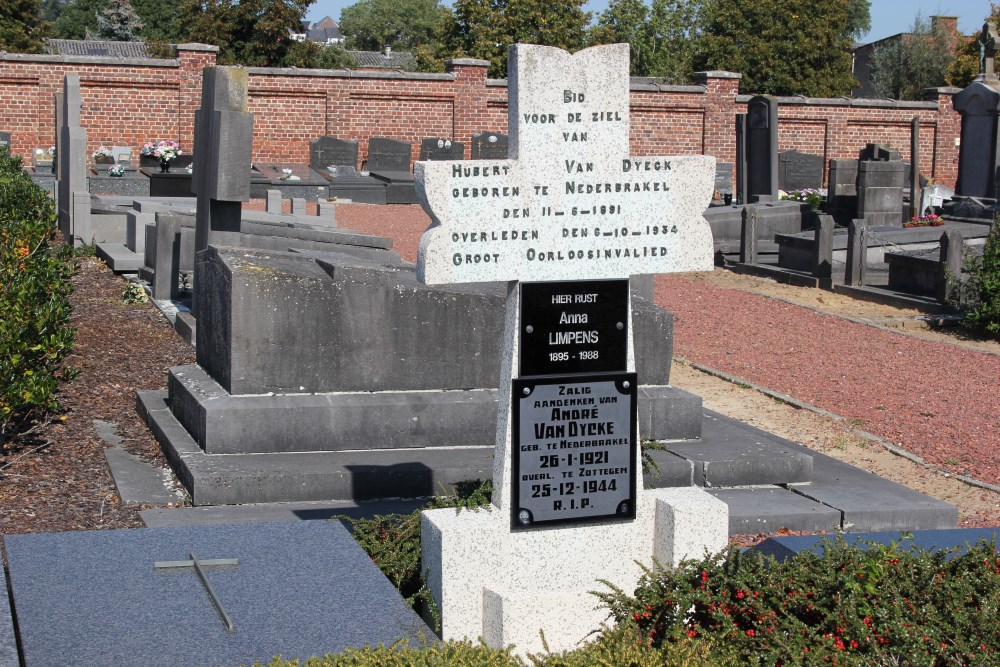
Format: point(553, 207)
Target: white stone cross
point(570, 202)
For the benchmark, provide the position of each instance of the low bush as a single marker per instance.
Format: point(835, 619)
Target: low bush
point(35, 335)
point(881, 605)
point(982, 292)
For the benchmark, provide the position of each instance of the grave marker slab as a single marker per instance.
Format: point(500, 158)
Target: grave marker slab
point(568, 204)
point(330, 151)
point(761, 152)
point(388, 155)
point(799, 171)
point(300, 589)
point(434, 148)
point(489, 146)
point(5, 140)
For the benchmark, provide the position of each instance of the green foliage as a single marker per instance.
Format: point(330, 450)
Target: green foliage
point(35, 335)
point(879, 605)
point(983, 289)
point(613, 648)
point(662, 37)
point(485, 28)
point(76, 17)
point(118, 22)
point(922, 59)
point(161, 20)
point(315, 56)
point(248, 32)
point(782, 47)
point(371, 25)
point(22, 29)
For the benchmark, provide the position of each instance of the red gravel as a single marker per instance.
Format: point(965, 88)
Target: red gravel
point(935, 400)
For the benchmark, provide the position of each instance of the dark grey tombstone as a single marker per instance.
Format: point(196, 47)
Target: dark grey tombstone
point(913, 177)
point(436, 148)
point(489, 146)
point(878, 153)
point(823, 244)
point(300, 589)
point(762, 147)
point(57, 141)
point(783, 548)
point(857, 253)
point(748, 235)
point(332, 152)
point(880, 192)
point(388, 155)
point(952, 247)
point(741, 158)
point(5, 140)
point(224, 141)
point(979, 105)
point(799, 171)
point(724, 179)
point(842, 189)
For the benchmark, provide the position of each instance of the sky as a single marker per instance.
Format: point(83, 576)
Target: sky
point(888, 16)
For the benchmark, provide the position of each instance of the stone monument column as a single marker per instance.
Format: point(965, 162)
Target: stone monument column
point(74, 198)
point(979, 104)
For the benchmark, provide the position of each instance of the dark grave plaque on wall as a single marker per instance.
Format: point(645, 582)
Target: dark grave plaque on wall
point(489, 146)
point(330, 151)
point(799, 171)
point(574, 452)
point(573, 327)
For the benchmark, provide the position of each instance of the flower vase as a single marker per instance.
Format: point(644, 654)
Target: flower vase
point(164, 166)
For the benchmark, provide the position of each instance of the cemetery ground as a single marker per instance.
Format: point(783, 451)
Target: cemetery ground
point(929, 394)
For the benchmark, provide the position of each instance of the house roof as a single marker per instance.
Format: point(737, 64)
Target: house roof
point(324, 34)
point(91, 47)
point(380, 60)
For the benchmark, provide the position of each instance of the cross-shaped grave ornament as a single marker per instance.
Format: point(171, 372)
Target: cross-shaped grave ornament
point(987, 51)
point(198, 566)
point(570, 202)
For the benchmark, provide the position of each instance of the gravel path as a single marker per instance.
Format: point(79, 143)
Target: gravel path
point(932, 399)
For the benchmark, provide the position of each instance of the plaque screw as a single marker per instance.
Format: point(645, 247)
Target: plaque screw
point(625, 384)
point(529, 329)
point(620, 326)
point(527, 391)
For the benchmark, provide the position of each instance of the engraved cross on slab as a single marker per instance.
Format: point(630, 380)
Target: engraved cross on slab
point(198, 566)
point(570, 202)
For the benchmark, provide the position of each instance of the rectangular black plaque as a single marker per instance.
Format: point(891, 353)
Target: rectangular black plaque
point(574, 327)
point(573, 449)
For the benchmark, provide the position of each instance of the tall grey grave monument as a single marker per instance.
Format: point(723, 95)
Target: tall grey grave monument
point(979, 105)
point(223, 135)
point(761, 151)
point(569, 207)
point(74, 199)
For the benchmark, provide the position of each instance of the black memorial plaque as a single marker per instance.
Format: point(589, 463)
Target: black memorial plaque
point(574, 449)
point(574, 327)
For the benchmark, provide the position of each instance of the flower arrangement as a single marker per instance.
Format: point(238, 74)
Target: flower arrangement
point(929, 220)
point(103, 154)
point(163, 150)
point(116, 170)
point(51, 151)
point(809, 196)
point(286, 175)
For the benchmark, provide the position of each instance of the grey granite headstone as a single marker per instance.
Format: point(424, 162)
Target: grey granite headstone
point(878, 153)
point(762, 147)
point(273, 201)
point(224, 140)
point(74, 199)
point(880, 192)
point(979, 105)
point(489, 146)
point(437, 148)
point(799, 171)
point(724, 178)
point(959, 539)
point(300, 589)
point(330, 151)
point(388, 155)
point(5, 139)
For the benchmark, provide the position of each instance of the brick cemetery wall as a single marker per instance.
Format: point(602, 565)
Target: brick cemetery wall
point(130, 101)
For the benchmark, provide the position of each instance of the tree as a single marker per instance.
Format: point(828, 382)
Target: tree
point(315, 56)
point(249, 32)
point(662, 37)
point(22, 29)
point(783, 47)
point(118, 22)
point(484, 28)
point(902, 68)
point(371, 25)
point(161, 20)
point(76, 18)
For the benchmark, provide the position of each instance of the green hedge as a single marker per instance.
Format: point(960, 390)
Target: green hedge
point(35, 335)
point(983, 290)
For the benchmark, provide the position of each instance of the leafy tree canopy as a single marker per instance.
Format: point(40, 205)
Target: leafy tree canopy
point(903, 68)
point(662, 36)
point(118, 22)
point(22, 29)
point(371, 25)
point(783, 47)
point(249, 32)
point(485, 28)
